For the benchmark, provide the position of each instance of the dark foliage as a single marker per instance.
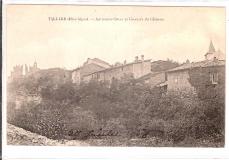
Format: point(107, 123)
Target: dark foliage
point(122, 109)
point(212, 101)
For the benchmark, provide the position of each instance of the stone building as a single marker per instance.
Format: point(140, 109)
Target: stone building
point(178, 78)
point(213, 54)
point(135, 69)
point(97, 61)
point(153, 79)
point(33, 68)
point(90, 66)
point(19, 71)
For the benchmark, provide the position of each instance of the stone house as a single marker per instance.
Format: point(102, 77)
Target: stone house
point(135, 69)
point(19, 71)
point(178, 78)
point(90, 66)
point(214, 65)
point(153, 79)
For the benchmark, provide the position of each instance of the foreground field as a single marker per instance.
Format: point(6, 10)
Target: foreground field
point(19, 136)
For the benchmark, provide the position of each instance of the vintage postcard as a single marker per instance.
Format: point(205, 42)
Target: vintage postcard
point(115, 75)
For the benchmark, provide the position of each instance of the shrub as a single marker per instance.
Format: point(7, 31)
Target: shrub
point(125, 108)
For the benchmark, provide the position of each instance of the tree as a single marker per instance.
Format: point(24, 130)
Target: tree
point(212, 98)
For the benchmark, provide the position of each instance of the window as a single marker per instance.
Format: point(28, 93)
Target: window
point(214, 78)
point(98, 75)
point(164, 89)
point(176, 80)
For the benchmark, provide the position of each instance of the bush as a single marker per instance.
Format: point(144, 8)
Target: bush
point(125, 108)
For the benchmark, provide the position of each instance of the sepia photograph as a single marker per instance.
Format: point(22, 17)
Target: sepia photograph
point(115, 76)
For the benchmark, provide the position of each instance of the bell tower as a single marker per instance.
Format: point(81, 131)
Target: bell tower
point(211, 52)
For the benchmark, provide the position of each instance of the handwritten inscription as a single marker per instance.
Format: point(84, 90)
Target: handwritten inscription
point(93, 133)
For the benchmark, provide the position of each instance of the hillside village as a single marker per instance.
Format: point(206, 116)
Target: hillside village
point(167, 75)
point(115, 75)
point(144, 102)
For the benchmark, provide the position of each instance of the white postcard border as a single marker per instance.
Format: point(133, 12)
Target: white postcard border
point(67, 152)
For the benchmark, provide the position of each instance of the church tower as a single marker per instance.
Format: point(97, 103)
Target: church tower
point(211, 48)
point(35, 65)
point(211, 52)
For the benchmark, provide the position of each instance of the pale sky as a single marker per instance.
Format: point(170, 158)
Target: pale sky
point(184, 33)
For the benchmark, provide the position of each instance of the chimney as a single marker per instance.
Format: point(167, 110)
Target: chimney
point(88, 61)
point(142, 56)
point(215, 59)
point(124, 62)
point(136, 59)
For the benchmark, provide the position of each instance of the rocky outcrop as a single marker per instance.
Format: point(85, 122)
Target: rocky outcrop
point(19, 136)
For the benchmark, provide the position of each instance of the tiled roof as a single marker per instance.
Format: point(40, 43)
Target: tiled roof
point(149, 75)
point(205, 63)
point(115, 67)
point(76, 69)
point(95, 59)
point(90, 68)
point(101, 61)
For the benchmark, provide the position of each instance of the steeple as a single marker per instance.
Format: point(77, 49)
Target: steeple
point(211, 48)
point(35, 64)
